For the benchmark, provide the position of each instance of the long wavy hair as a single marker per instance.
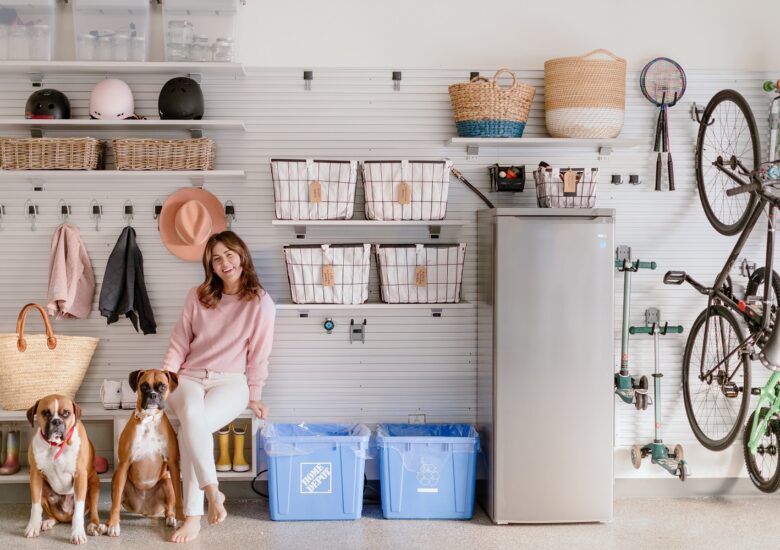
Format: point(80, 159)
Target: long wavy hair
point(210, 292)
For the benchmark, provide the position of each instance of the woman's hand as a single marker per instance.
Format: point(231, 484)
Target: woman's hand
point(260, 409)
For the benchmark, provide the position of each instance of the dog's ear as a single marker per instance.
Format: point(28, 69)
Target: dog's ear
point(76, 411)
point(173, 380)
point(133, 379)
point(31, 412)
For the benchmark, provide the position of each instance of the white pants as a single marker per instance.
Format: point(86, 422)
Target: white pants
point(204, 402)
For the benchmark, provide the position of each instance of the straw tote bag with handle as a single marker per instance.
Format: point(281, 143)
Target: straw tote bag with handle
point(33, 366)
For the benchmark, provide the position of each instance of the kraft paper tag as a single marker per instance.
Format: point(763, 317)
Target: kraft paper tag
point(315, 191)
point(327, 276)
point(404, 193)
point(570, 183)
point(421, 275)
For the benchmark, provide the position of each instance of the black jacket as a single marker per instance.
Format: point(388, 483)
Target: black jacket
point(123, 291)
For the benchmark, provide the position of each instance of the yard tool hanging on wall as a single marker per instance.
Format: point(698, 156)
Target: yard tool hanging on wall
point(663, 84)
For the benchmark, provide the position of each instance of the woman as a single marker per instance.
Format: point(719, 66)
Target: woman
point(220, 349)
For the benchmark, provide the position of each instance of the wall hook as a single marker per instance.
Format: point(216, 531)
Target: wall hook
point(308, 76)
point(64, 210)
point(2, 215)
point(357, 333)
point(157, 209)
point(617, 179)
point(128, 212)
point(397, 81)
point(31, 213)
point(230, 213)
point(96, 212)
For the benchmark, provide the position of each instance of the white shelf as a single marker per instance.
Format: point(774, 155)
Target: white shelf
point(23, 476)
point(91, 411)
point(148, 124)
point(195, 176)
point(44, 68)
point(236, 476)
point(603, 146)
point(435, 309)
point(434, 226)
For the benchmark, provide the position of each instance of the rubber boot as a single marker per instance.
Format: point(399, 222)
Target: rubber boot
point(239, 462)
point(11, 464)
point(223, 462)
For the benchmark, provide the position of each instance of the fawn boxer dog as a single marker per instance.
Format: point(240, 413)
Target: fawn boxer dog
point(62, 471)
point(147, 479)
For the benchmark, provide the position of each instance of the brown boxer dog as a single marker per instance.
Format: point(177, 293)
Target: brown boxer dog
point(62, 471)
point(147, 479)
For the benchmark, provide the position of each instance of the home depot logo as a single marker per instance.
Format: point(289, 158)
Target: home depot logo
point(316, 477)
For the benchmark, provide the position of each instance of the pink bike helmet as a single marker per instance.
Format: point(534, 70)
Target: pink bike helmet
point(111, 99)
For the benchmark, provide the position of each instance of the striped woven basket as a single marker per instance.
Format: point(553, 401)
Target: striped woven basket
point(482, 108)
point(164, 154)
point(585, 97)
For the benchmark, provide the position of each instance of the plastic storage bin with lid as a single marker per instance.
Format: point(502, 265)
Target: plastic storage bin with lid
point(315, 471)
point(27, 30)
point(427, 470)
point(111, 30)
point(200, 30)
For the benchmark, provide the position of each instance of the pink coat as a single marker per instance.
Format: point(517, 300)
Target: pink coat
point(71, 279)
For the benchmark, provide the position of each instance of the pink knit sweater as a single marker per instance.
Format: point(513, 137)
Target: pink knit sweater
point(236, 336)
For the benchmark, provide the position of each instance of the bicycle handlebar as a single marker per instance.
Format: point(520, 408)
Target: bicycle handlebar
point(677, 329)
point(636, 265)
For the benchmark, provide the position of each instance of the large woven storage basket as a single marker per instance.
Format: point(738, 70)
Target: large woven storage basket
point(483, 108)
point(295, 182)
point(349, 266)
point(51, 153)
point(585, 97)
point(34, 366)
point(420, 274)
point(427, 187)
point(165, 154)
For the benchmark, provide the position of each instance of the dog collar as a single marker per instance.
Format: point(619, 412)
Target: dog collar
point(62, 444)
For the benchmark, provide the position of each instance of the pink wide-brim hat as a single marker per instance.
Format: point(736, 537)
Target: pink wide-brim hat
point(188, 218)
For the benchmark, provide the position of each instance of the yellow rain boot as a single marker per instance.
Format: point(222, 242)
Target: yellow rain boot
point(239, 462)
point(223, 462)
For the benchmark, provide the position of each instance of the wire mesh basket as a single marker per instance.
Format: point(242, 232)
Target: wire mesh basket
point(565, 187)
point(420, 274)
point(328, 274)
point(406, 189)
point(314, 189)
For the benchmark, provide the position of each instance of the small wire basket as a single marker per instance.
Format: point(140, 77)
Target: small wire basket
point(565, 187)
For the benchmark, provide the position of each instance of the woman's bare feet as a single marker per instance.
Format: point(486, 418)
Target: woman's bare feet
point(217, 512)
point(189, 530)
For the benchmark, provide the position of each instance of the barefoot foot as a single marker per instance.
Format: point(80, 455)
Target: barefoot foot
point(217, 512)
point(188, 531)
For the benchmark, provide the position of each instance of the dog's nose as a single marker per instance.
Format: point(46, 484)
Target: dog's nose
point(153, 395)
point(56, 421)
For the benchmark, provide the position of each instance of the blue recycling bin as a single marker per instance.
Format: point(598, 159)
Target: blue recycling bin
point(315, 471)
point(427, 470)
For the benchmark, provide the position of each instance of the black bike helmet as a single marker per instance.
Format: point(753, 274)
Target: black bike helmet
point(181, 99)
point(47, 103)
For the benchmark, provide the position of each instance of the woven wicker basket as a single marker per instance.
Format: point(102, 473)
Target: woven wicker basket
point(51, 153)
point(482, 108)
point(585, 97)
point(165, 154)
point(34, 366)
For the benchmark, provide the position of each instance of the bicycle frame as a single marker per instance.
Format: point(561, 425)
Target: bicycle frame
point(769, 393)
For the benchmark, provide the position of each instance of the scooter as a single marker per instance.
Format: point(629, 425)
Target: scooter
point(630, 389)
point(673, 461)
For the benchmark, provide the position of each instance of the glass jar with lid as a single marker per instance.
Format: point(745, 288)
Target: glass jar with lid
point(123, 45)
point(40, 38)
point(223, 50)
point(18, 43)
point(105, 45)
point(200, 51)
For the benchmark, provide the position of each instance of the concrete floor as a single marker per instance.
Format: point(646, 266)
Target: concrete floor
point(712, 523)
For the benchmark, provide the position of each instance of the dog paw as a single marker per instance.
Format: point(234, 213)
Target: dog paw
point(112, 530)
point(93, 529)
point(170, 521)
point(48, 524)
point(78, 536)
point(33, 529)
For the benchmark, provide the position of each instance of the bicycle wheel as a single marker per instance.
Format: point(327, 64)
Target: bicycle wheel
point(727, 136)
point(763, 467)
point(714, 417)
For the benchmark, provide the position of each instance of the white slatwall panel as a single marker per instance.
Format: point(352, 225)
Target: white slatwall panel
point(410, 362)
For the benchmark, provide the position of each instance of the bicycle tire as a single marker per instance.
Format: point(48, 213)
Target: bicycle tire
point(710, 142)
point(755, 281)
point(699, 420)
point(766, 483)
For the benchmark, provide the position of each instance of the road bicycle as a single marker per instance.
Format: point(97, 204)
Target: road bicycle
point(736, 189)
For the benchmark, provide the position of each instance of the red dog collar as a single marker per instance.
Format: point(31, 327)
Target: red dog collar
point(60, 445)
